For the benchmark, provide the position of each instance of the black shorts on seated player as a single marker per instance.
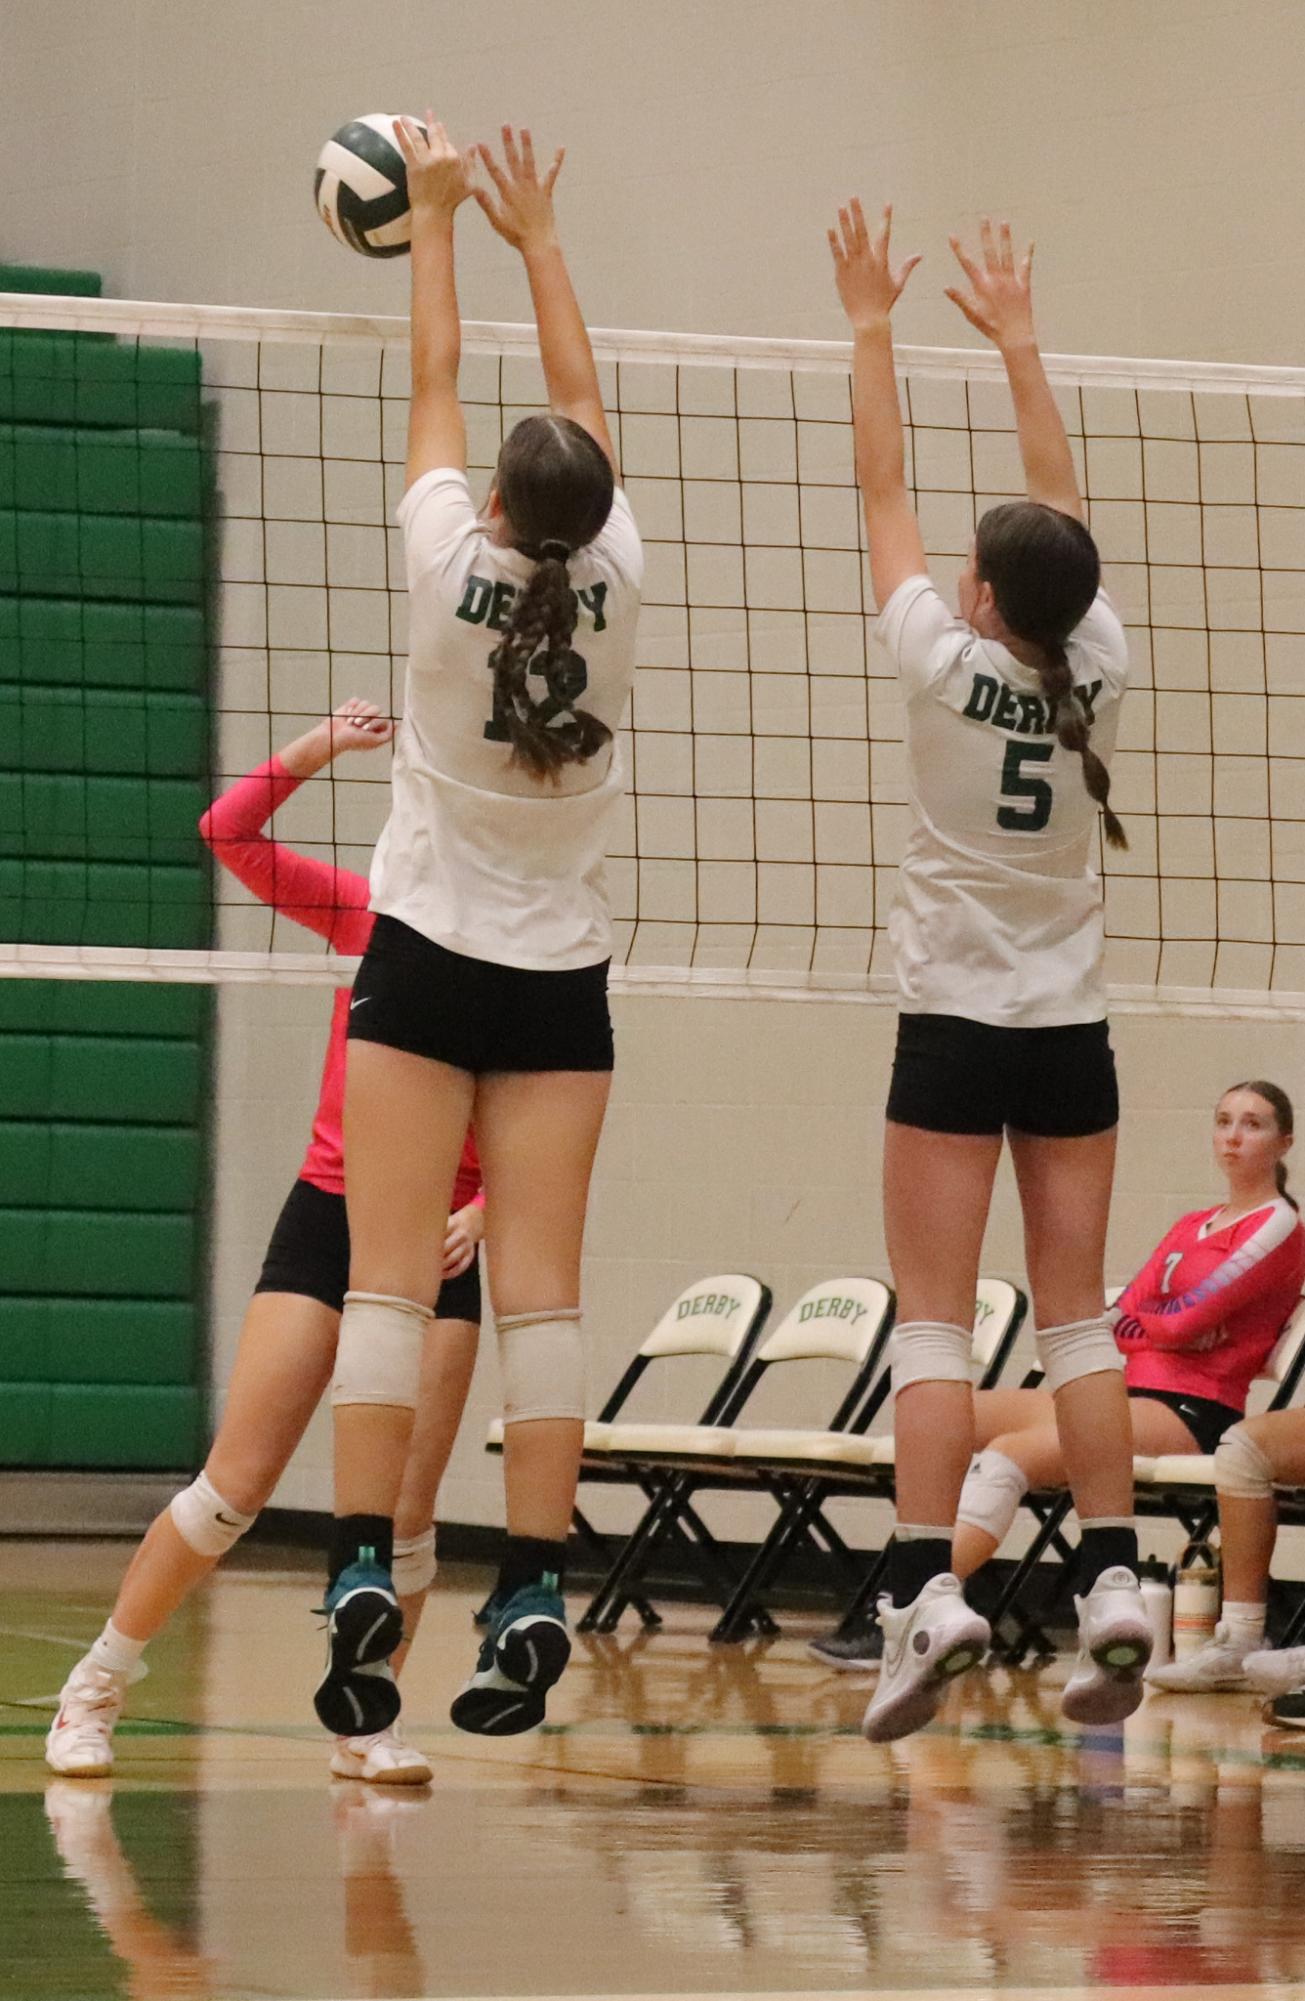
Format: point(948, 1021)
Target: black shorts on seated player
point(308, 1254)
point(474, 1014)
point(953, 1075)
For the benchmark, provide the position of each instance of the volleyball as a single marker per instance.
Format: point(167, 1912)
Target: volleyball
point(361, 187)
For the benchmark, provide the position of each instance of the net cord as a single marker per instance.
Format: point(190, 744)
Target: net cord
point(163, 320)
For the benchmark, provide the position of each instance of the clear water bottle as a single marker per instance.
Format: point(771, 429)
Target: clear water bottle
point(1158, 1597)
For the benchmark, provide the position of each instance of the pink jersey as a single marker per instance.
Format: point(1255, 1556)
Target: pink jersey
point(1202, 1315)
point(323, 898)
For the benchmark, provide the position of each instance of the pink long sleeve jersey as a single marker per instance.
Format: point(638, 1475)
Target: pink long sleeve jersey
point(1202, 1315)
point(323, 898)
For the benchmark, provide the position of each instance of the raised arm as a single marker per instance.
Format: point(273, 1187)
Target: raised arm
point(521, 210)
point(325, 899)
point(438, 180)
point(1000, 304)
point(869, 289)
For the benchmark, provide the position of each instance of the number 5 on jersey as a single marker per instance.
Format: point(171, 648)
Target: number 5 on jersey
point(1017, 783)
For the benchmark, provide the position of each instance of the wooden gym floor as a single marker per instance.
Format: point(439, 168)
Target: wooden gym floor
point(691, 1821)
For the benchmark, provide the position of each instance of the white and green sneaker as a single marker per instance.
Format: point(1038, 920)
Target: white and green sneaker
point(358, 1695)
point(521, 1656)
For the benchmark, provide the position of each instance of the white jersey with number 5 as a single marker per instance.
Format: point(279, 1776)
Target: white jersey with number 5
point(998, 913)
point(477, 854)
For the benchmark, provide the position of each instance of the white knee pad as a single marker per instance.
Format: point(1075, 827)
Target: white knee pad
point(414, 1566)
point(991, 1496)
point(204, 1520)
point(542, 1364)
point(930, 1351)
point(1079, 1348)
point(1241, 1468)
point(378, 1358)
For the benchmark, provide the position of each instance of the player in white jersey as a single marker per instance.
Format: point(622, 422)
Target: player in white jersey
point(483, 993)
point(997, 936)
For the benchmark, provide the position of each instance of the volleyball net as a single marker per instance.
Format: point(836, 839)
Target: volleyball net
point(197, 561)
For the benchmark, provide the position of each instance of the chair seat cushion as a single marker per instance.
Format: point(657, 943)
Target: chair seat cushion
point(677, 1441)
point(1180, 1469)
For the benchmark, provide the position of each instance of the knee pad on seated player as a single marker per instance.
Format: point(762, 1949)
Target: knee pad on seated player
point(930, 1351)
point(1241, 1468)
point(204, 1520)
point(378, 1358)
point(1079, 1348)
point(542, 1364)
point(991, 1496)
point(414, 1566)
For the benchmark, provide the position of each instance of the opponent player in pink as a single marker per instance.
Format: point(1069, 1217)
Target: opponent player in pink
point(287, 1346)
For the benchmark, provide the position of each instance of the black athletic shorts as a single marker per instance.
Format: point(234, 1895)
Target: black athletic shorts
point(952, 1075)
point(309, 1254)
point(415, 995)
point(1205, 1419)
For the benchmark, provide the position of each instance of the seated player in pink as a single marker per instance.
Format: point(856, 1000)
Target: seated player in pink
point(1196, 1326)
point(288, 1342)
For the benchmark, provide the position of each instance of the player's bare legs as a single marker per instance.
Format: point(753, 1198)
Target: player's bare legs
point(937, 1191)
point(448, 1363)
point(405, 1119)
point(537, 1133)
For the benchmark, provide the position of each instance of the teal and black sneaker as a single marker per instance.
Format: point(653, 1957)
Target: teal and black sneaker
point(521, 1656)
point(358, 1694)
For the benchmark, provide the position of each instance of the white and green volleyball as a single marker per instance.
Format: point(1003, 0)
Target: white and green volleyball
point(362, 187)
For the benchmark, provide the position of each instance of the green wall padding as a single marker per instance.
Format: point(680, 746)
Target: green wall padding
point(105, 577)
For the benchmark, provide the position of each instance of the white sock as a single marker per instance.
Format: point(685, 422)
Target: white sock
point(1245, 1623)
point(117, 1654)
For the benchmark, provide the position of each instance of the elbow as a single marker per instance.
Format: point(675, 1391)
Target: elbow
point(206, 834)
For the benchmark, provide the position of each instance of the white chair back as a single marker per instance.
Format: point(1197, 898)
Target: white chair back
point(836, 1321)
point(713, 1316)
point(1287, 1347)
point(996, 1304)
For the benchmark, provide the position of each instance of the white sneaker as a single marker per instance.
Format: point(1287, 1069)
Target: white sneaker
point(926, 1644)
point(1115, 1641)
point(79, 1743)
point(1219, 1664)
point(381, 1760)
point(1275, 1670)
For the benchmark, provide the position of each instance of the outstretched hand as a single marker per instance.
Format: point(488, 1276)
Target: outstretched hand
point(999, 302)
point(867, 283)
point(357, 725)
point(439, 177)
point(521, 207)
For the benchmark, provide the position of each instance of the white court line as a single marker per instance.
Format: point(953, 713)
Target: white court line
point(47, 1639)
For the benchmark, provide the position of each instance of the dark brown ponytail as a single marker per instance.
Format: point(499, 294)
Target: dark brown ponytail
point(551, 732)
point(1284, 1118)
point(555, 484)
point(1070, 723)
point(1044, 572)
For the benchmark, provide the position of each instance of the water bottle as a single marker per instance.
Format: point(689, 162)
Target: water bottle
point(1196, 1599)
point(1158, 1597)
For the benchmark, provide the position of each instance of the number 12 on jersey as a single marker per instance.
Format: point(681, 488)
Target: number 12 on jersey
point(1018, 783)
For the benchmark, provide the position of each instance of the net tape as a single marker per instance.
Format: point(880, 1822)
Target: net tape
point(757, 849)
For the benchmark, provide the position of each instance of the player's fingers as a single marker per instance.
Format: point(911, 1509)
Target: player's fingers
point(966, 262)
point(556, 168)
point(404, 137)
point(510, 152)
point(1007, 253)
point(527, 152)
point(493, 169)
point(885, 231)
point(1026, 268)
point(835, 245)
point(908, 266)
point(974, 318)
point(988, 241)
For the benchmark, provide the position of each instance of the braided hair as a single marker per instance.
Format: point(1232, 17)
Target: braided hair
point(555, 484)
point(1043, 570)
point(1284, 1118)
